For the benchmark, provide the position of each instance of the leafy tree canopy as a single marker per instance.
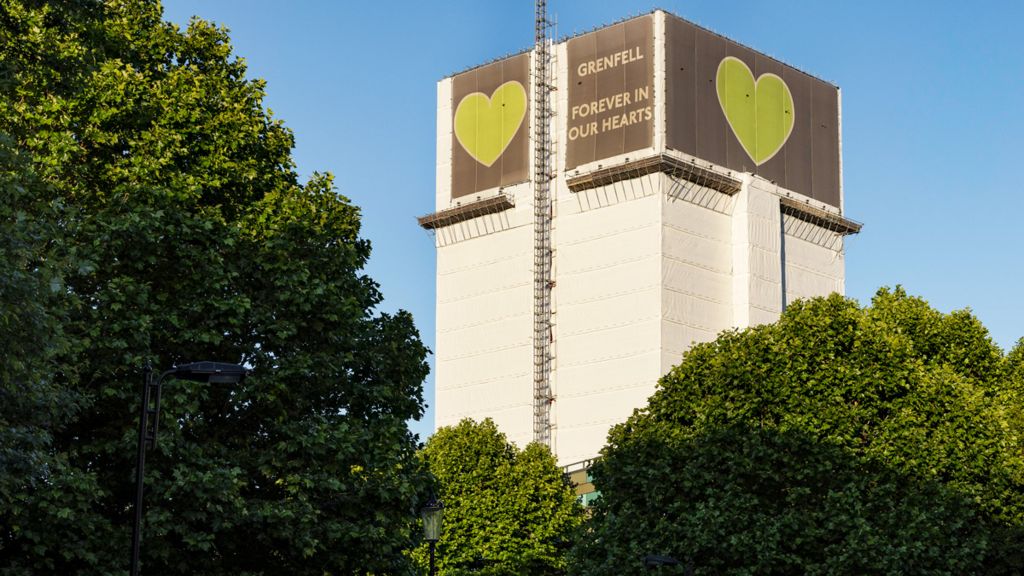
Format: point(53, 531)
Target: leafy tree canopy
point(886, 439)
point(506, 511)
point(151, 213)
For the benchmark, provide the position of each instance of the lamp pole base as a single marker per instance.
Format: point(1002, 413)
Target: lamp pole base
point(433, 571)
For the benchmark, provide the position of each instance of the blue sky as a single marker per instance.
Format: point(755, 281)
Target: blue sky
point(933, 118)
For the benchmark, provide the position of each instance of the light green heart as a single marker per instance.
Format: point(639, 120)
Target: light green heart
point(484, 126)
point(760, 113)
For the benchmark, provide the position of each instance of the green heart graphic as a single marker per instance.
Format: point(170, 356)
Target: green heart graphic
point(485, 126)
point(760, 113)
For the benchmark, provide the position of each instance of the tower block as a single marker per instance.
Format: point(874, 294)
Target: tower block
point(695, 187)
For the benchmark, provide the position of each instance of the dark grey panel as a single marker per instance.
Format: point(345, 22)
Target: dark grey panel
point(807, 163)
point(825, 140)
point(712, 130)
point(580, 149)
point(469, 175)
point(798, 149)
point(611, 100)
point(681, 96)
point(609, 41)
point(639, 81)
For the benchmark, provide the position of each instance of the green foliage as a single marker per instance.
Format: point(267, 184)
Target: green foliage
point(841, 440)
point(151, 213)
point(28, 328)
point(506, 511)
point(34, 399)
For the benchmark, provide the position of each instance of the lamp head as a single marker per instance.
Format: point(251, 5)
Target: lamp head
point(655, 560)
point(212, 372)
point(432, 514)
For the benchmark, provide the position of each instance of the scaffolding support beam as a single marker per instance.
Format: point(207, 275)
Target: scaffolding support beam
point(819, 217)
point(690, 171)
point(468, 211)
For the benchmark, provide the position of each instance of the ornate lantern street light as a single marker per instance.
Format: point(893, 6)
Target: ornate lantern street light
point(432, 513)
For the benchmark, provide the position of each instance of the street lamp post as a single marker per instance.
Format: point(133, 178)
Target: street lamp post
point(211, 372)
point(432, 514)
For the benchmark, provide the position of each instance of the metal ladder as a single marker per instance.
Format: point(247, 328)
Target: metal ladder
point(542, 216)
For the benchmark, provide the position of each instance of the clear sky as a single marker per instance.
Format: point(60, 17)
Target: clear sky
point(933, 120)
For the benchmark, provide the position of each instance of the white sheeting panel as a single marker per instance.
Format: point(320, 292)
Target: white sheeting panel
point(763, 215)
point(765, 263)
point(757, 256)
point(583, 443)
point(606, 342)
point(701, 251)
point(695, 219)
point(459, 371)
point(805, 283)
point(515, 243)
point(485, 337)
point(764, 231)
point(637, 369)
point(497, 385)
point(600, 387)
point(814, 257)
point(604, 408)
point(819, 278)
point(493, 307)
point(764, 199)
point(607, 252)
point(697, 312)
point(626, 308)
point(493, 395)
point(765, 296)
point(685, 277)
point(491, 391)
point(759, 316)
point(496, 276)
point(813, 269)
point(608, 283)
point(677, 338)
point(583, 227)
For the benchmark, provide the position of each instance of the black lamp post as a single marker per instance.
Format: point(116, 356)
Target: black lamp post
point(212, 372)
point(432, 514)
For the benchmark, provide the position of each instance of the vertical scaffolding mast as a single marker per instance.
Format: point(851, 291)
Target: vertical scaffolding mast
point(542, 213)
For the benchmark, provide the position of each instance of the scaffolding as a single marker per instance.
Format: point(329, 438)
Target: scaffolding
point(542, 214)
point(820, 217)
point(675, 167)
point(464, 212)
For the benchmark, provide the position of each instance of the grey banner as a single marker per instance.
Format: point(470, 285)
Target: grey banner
point(712, 112)
point(491, 126)
point(611, 91)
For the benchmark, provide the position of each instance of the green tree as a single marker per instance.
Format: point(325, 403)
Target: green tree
point(33, 400)
point(842, 440)
point(158, 218)
point(506, 511)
